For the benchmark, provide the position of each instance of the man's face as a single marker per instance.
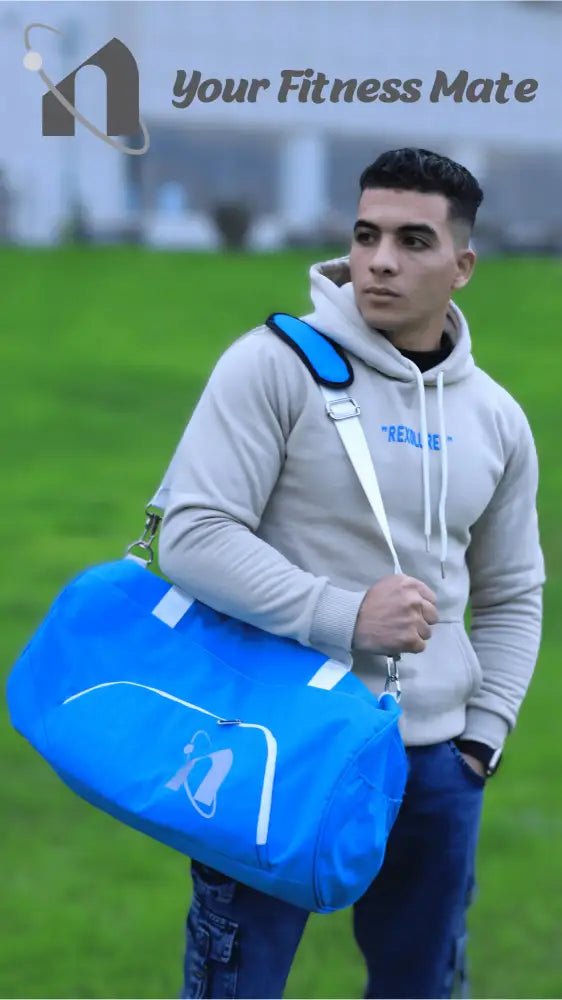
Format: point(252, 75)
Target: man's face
point(403, 242)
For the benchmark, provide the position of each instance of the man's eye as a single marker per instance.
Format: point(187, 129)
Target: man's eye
point(363, 236)
point(415, 242)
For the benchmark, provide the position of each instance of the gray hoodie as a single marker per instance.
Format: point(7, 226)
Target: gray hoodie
point(266, 521)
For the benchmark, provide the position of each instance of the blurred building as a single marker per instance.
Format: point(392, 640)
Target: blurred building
point(267, 173)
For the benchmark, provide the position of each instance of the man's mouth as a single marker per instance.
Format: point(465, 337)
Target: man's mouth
point(381, 292)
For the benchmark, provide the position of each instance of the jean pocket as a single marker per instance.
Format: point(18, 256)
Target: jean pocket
point(211, 966)
point(477, 779)
point(196, 963)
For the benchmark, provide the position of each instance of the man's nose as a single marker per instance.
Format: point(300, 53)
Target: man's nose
point(384, 258)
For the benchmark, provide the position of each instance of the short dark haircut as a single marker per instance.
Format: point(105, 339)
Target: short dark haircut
point(412, 169)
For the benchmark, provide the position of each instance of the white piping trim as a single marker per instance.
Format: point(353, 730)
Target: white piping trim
point(264, 813)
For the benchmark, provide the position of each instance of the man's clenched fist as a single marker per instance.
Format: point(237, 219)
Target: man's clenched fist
point(395, 616)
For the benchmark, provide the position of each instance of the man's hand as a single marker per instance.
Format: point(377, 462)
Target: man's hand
point(395, 616)
point(474, 763)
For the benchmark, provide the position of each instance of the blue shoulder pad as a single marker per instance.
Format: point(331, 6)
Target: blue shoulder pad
point(324, 359)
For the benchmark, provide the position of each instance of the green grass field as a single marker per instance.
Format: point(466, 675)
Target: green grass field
point(104, 353)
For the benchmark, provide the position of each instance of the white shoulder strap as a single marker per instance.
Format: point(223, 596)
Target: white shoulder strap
point(344, 411)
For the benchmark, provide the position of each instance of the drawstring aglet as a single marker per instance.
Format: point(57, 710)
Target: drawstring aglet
point(443, 570)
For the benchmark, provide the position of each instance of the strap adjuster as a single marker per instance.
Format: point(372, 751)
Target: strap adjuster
point(345, 400)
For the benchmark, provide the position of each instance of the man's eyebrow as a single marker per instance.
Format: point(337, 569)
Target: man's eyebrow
point(409, 227)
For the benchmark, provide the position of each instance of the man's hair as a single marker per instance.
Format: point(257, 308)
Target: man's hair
point(411, 169)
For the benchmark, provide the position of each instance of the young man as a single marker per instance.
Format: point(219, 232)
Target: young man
point(267, 522)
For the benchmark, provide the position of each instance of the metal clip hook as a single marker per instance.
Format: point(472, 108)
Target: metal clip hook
point(392, 683)
point(149, 534)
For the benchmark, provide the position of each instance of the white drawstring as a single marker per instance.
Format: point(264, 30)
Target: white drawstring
point(444, 472)
point(425, 457)
point(425, 465)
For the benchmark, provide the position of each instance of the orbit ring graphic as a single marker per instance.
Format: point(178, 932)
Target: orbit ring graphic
point(33, 61)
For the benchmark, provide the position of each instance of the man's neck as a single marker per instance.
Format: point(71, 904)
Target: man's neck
point(423, 338)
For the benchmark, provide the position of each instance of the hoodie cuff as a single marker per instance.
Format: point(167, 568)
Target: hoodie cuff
point(334, 618)
point(485, 727)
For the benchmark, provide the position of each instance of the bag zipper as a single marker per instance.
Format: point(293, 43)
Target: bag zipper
point(264, 814)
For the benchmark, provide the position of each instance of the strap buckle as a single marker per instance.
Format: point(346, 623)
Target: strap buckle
point(345, 400)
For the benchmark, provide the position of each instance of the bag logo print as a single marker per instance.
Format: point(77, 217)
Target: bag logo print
point(202, 776)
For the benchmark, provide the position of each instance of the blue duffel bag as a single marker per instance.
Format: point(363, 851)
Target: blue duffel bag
point(249, 752)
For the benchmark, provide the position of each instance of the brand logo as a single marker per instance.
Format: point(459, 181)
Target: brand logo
point(203, 773)
point(309, 86)
point(400, 434)
point(60, 113)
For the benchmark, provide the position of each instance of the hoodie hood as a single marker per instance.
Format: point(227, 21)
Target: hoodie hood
point(336, 314)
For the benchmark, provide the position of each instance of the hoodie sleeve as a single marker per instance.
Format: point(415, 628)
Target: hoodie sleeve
point(507, 573)
point(224, 470)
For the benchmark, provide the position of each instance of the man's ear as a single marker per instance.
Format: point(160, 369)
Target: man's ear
point(466, 261)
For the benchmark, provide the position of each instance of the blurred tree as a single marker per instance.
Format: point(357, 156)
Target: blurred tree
point(76, 227)
point(233, 222)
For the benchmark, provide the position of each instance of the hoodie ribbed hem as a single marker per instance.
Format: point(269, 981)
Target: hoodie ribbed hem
point(485, 727)
point(335, 615)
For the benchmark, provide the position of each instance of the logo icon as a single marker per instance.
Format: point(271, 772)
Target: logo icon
point(122, 89)
point(202, 774)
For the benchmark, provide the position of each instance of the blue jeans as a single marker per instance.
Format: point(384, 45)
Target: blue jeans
point(409, 925)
